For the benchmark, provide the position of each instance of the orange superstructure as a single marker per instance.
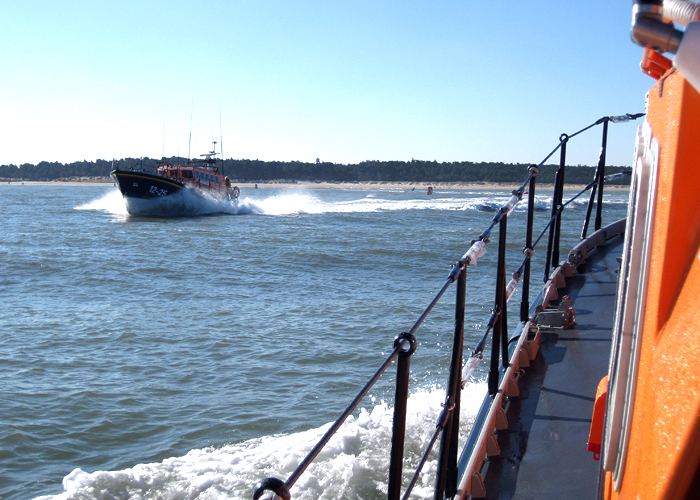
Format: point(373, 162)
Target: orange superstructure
point(205, 178)
point(660, 456)
point(622, 375)
point(160, 193)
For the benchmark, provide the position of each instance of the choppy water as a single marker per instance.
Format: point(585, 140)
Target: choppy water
point(191, 357)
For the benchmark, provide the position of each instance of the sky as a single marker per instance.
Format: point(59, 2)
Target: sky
point(341, 81)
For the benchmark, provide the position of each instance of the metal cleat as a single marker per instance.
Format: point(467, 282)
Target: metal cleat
point(563, 317)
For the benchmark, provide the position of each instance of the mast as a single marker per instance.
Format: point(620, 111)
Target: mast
point(189, 144)
point(221, 141)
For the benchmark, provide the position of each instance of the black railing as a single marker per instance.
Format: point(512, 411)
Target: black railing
point(447, 424)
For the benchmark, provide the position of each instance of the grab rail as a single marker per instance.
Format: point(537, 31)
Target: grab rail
point(498, 381)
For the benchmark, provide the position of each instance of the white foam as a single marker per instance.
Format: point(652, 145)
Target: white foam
point(305, 204)
point(354, 464)
point(302, 203)
point(111, 202)
point(291, 203)
point(183, 203)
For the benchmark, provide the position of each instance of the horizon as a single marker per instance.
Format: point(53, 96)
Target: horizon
point(550, 163)
point(296, 81)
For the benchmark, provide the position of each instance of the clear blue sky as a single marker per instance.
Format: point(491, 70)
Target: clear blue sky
point(343, 81)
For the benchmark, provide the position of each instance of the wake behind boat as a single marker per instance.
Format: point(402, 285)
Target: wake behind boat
point(165, 192)
point(605, 406)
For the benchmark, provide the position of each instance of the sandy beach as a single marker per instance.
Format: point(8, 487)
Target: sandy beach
point(106, 181)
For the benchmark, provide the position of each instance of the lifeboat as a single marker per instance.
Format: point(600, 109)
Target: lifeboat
point(597, 392)
point(147, 193)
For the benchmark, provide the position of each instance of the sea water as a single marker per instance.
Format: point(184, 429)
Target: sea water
point(191, 357)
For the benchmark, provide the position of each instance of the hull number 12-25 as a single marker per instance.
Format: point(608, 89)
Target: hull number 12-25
point(158, 192)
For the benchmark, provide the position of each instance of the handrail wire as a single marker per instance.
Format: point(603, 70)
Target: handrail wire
point(477, 353)
point(271, 483)
point(614, 119)
point(529, 251)
point(498, 316)
point(315, 451)
point(442, 420)
point(477, 249)
point(447, 474)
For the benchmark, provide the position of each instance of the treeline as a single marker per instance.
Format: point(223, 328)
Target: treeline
point(366, 171)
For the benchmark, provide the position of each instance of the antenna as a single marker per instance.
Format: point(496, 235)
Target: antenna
point(189, 145)
point(221, 134)
point(163, 141)
point(221, 141)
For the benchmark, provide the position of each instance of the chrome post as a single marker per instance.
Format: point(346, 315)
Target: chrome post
point(649, 30)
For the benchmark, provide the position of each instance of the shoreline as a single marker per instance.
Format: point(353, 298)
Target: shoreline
point(317, 184)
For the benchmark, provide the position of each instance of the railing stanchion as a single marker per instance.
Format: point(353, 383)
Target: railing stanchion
point(552, 257)
point(550, 240)
point(525, 302)
point(502, 321)
point(560, 198)
point(453, 456)
point(403, 368)
point(601, 178)
point(446, 483)
point(589, 209)
point(447, 424)
point(499, 304)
